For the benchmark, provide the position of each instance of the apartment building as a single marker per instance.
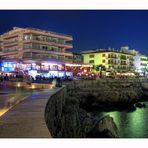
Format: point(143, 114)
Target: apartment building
point(141, 63)
point(112, 60)
point(0, 47)
point(30, 43)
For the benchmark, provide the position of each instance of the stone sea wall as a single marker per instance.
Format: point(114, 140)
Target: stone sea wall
point(65, 119)
point(53, 112)
point(70, 112)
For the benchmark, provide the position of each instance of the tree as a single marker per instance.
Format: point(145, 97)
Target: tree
point(100, 68)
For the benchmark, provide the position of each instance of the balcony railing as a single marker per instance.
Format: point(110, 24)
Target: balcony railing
point(143, 59)
point(123, 58)
point(50, 41)
point(112, 57)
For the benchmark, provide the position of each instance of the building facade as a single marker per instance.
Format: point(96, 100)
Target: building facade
point(30, 43)
point(77, 58)
point(141, 64)
point(35, 51)
point(112, 60)
point(39, 52)
point(0, 48)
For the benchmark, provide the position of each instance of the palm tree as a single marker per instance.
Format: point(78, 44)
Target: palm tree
point(100, 68)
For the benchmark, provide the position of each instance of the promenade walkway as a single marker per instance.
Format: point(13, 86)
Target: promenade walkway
point(26, 119)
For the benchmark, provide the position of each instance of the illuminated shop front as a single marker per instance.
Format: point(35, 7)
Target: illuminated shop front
point(8, 66)
point(48, 68)
point(78, 68)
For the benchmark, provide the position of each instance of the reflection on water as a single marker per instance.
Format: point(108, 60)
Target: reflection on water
point(131, 124)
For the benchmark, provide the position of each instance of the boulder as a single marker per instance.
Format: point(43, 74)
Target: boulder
point(144, 86)
point(140, 105)
point(105, 128)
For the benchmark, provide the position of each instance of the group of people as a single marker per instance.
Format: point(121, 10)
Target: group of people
point(57, 82)
point(6, 77)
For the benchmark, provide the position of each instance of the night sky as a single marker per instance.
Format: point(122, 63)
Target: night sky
point(90, 28)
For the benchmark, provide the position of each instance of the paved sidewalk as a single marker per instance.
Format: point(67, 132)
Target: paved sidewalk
point(26, 119)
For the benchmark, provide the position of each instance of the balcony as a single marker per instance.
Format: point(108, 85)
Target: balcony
point(123, 57)
point(67, 45)
point(112, 57)
point(142, 64)
point(123, 64)
point(144, 59)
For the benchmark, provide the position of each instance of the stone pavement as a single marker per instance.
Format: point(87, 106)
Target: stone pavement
point(26, 119)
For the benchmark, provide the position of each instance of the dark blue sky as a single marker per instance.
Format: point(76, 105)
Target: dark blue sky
point(90, 28)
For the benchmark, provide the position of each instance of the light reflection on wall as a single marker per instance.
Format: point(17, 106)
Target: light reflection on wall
point(117, 118)
point(3, 110)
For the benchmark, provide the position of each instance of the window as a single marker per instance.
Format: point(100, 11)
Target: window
point(91, 61)
point(143, 64)
point(27, 37)
point(103, 61)
point(103, 55)
point(92, 56)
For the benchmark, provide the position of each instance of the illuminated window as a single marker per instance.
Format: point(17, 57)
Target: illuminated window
point(27, 37)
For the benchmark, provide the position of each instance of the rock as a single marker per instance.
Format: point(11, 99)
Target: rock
point(87, 101)
point(144, 86)
point(76, 122)
point(140, 105)
point(70, 122)
point(105, 128)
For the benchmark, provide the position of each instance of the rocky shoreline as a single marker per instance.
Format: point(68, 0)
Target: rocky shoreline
point(81, 103)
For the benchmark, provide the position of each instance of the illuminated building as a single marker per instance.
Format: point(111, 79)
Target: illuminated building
point(30, 43)
point(0, 48)
point(78, 68)
point(113, 60)
point(37, 51)
point(141, 63)
point(125, 49)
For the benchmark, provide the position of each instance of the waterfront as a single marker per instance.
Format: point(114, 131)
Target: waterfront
point(131, 124)
point(26, 119)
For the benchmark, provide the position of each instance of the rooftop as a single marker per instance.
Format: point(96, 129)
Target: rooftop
point(105, 50)
point(35, 29)
point(45, 31)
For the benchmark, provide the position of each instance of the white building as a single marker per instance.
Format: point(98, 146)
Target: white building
point(141, 64)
